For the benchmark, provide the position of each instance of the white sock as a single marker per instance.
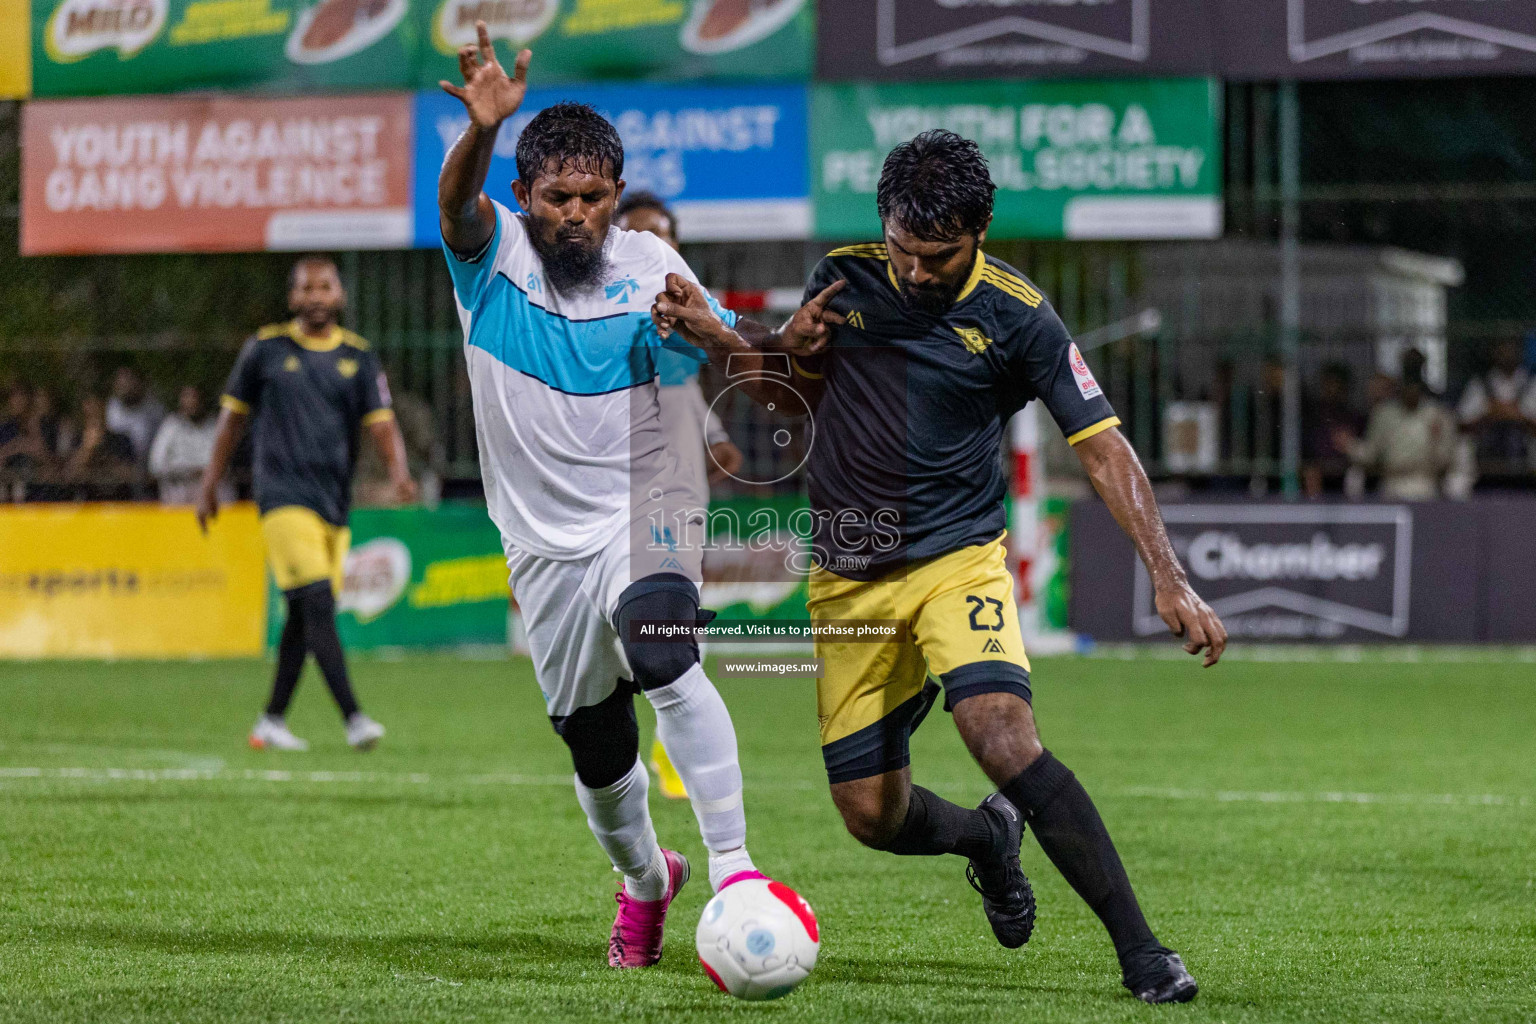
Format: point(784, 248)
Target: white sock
point(620, 818)
point(650, 884)
point(724, 865)
point(695, 728)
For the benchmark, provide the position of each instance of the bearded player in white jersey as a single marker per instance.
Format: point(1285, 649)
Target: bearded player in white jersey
point(582, 482)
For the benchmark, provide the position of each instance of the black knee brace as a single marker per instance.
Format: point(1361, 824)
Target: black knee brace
point(604, 738)
point(664, 597)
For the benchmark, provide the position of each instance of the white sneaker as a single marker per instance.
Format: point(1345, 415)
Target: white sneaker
point(363, 733)
point(272, 732)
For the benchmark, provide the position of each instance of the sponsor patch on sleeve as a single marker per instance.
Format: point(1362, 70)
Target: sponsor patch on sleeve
point(1084, 376)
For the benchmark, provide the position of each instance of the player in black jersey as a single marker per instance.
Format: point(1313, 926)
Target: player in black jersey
point(308, 387)
point(913, 352)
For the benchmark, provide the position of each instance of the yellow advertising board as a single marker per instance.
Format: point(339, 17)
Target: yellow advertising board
point(129, 581)
point(15, 49)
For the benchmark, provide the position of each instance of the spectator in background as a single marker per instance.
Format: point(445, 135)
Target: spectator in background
point(133, 412)
point(32, 455)
point(1410, 439)
point(103, 466)
point(183, 446)
point(1328, 416)
point(1498, 413)
point(13, 414)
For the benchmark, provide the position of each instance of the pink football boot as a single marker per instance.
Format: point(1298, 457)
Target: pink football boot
point(636, 938)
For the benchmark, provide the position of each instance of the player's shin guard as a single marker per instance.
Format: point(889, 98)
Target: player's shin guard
point(696, 730)
point(620, 817)
point(1068, 827)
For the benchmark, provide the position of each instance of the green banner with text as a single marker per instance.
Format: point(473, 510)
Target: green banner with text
point(419, 578)
point(1123, 159)
point(97, 47)
point(588, 40)
point(102, 47)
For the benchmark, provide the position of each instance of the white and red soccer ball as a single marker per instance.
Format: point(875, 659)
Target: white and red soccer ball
point(758, 939)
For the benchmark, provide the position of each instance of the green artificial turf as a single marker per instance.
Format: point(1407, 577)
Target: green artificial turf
point(1322, 842)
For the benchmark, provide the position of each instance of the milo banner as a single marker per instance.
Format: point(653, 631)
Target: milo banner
point(419, 578)
point(1120, 159)
point(91, 47)
point(1264, 39)
point(904, 40)
point(581, 40)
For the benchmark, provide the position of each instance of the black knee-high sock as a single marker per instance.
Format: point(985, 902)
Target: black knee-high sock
point(934, 826)
point(324, 643)
point(1068, 827)
point(290, 660)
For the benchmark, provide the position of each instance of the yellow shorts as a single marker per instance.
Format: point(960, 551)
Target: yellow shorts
point(963, 631)
point(302, 548)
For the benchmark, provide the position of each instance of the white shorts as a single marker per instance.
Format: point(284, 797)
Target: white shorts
point(569, 609)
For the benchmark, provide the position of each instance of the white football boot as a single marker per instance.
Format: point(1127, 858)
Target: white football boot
point(363, 733)
point(272, 733)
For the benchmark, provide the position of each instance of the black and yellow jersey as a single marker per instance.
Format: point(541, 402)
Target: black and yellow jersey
point(905, 460)
point(307, 398)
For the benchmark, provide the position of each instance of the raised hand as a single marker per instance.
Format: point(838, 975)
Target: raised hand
point(487, 93)
point(807, 332)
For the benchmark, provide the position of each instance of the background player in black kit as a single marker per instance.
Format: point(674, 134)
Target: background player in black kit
point(933, 346)
point(310, 386)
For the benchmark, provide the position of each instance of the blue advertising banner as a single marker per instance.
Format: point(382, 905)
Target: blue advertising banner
point(732, 161)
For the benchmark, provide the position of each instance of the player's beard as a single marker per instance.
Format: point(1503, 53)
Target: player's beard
point(573, 263)
point(935, 299)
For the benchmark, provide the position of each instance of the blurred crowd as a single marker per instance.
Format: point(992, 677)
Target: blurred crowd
point(1392, 435)
point(128, 446)
point(1416, 444)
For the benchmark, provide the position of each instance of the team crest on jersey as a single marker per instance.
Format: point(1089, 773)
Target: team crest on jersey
point(291, 364)
point(974, 340)
point(347, 368)
point(1084, 376)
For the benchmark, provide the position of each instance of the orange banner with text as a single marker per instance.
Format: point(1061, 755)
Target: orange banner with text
point(216, 174)
point(129, 581)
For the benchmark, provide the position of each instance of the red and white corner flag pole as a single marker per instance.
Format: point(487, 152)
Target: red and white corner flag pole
point(1031, 555)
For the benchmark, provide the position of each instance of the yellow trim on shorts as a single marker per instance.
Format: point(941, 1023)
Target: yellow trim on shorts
point(1097, 428)
point(378, 416)
point(234, 404)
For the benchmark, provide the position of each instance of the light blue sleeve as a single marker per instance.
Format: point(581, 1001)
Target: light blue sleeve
point(676, 359)
point(471, 274)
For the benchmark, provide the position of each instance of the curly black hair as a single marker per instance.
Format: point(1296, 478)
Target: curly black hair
point(937, 187)
point(571, 135)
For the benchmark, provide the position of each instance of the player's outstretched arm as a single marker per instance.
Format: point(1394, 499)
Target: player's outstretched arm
point(739, 352)
point(225, 440)
point(1122, 483)
point(490, 96)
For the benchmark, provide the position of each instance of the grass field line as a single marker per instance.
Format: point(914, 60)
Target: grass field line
point(1220, 796)
point(1226, 796)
